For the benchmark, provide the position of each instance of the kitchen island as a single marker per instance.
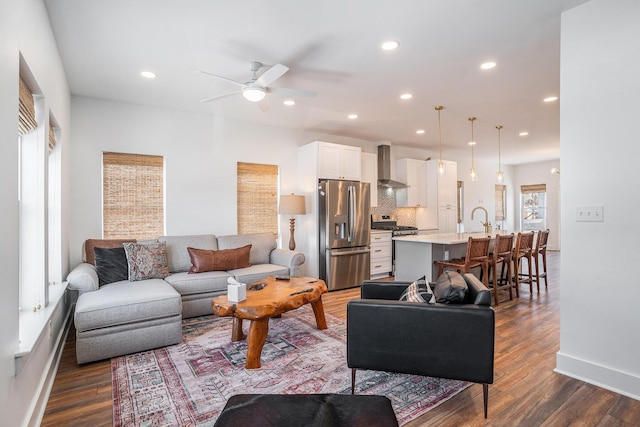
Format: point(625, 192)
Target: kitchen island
point(415, 255)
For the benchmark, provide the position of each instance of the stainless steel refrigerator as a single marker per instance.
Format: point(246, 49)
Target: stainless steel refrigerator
point(343, 209)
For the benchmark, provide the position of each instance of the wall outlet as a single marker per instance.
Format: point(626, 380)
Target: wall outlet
point(590, 213)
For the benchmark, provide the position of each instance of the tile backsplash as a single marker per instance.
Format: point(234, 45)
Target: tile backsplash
point(387, 205)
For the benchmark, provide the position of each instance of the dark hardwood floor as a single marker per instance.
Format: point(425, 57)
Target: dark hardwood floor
point(526, 391)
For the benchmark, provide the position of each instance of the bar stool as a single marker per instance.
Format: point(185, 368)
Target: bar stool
point(477, 256)
point(523, 249)
point(541, 251)
point(502, 247)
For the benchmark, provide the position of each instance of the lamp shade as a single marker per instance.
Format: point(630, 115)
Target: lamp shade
point(292, 205)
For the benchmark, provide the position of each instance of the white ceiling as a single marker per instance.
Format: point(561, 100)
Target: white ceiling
point(332, 47)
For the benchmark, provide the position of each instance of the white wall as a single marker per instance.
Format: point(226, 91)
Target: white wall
point(24, 28)
point(600, 149)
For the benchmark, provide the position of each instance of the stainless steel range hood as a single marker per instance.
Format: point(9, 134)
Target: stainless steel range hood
point(384, 169)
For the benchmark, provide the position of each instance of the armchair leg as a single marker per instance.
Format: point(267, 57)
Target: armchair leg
point(353, 380)
point(485, 395)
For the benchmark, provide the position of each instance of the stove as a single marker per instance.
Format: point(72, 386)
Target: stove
point(389, 222)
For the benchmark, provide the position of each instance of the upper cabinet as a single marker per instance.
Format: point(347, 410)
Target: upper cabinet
point(337, 161)
point(370, 175)
point(414, 173)
point(443, 194)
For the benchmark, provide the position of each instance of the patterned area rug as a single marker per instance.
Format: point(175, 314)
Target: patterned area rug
point(189, 383)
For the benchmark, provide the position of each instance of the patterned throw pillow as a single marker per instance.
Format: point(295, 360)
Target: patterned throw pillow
point(146, 261)
point(418, 291)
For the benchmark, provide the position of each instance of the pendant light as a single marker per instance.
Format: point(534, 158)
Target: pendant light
point(472, 172)
point(439, 108)
point(500, 174)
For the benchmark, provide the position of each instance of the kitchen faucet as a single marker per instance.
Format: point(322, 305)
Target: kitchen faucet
point(487, 225)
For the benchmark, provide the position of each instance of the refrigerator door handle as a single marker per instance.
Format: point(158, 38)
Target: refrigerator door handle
point(334, 253)
point(351, 216)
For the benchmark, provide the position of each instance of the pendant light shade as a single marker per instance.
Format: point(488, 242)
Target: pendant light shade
point(472, 172)
point(439, 108)
point(500, 174)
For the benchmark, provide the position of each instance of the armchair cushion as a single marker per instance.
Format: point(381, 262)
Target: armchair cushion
point(450, 288)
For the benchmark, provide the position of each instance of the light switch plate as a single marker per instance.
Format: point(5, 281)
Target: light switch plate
point(590, 213)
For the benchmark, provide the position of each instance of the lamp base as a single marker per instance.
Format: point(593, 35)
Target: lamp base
point(292, 226)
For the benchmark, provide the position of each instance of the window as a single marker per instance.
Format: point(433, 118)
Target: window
point(132, 196)
point(533, 203)
point(501, 208)
point(257, 198)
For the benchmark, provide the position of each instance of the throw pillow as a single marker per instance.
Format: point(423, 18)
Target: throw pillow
point(111, 265)
point(418, 291)
point(146, 261)
point(450, 288)
point(223, 260)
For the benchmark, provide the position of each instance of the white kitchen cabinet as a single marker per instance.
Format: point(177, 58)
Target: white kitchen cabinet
point(442, 194)
point(336, 161)
point(381, 254)
point(370, 175)
point(414, 173)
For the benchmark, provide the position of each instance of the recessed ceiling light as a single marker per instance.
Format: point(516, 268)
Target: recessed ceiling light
point(420, 131)
point(523, 133)
point(352, 116)
point(472, 143)
point(289, 102)
point(148, 74)
point(488, 65)
point(389, 45)
point(406, 96)
point(550, 99)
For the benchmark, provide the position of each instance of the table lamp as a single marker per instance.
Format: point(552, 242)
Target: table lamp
point(292, 205)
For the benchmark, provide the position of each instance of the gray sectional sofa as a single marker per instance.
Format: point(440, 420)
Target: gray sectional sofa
point(127, 317)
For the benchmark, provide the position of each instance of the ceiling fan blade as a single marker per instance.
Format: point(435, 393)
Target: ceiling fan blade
point(272, 74)
point(223, 78)
point(264, 105)
point(300, 93)
point(213, 98)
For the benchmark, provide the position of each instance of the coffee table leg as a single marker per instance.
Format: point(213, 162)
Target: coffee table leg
point(257, 337)
point(236, 332)
point(318, 310)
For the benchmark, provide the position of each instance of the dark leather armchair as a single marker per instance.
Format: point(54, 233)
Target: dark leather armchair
point(454, 341)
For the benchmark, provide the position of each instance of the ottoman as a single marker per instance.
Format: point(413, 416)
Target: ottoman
point(307, 410)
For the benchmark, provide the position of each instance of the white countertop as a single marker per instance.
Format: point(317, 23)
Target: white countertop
point(445, 238)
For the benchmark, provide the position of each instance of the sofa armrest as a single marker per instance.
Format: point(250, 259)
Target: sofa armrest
point(83, 278)
point(438, 340)
point(478, 293)
point(287, 258)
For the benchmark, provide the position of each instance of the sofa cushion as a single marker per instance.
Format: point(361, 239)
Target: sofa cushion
point(261, 245)
point(89, 244)
point(177, 254)
point(450, 288)
point(418, 291)
point(201, 283)
point(111, 264)
point(258, 272)
point(124, 302)
point(203, 260)
point(148, 261)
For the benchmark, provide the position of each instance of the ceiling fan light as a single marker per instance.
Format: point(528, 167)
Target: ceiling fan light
point(254, 94)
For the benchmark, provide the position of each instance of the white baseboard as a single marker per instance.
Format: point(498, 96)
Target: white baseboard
point(608, 378)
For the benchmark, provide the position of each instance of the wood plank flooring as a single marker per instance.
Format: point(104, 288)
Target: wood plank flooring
point(526, 391)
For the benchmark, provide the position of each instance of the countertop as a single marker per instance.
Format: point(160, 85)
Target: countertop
point(446, 238)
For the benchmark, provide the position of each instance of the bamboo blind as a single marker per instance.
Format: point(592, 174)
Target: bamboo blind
point(534, 188)
point(52, 138)
point(500, 202)
point(257, 198)
point(133, 196)
point(26, 110)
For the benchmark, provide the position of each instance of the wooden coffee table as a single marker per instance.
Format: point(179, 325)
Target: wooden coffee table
point(263, 302)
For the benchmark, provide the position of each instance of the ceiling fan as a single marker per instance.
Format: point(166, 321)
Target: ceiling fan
point(257, 88)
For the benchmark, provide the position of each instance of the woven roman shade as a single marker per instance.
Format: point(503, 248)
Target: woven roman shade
point(26, 110)
point(257, 198)
point(534, 188)
point(133, 196)
point(500, 202)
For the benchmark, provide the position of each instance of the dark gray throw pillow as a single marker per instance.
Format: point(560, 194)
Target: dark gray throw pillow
point(450, 288)
point(111, 265)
